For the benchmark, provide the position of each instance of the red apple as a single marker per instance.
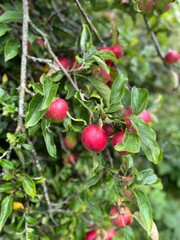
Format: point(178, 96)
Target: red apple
point(145, 116)
point(103, 74)
point(110, 234)
point(117, 50)
point(91, 235)
point(94, 138)
point(119, 138)
point(70, 158)
point(172, 57)
point(169, 6)
point(121, 216)
point(146, 6)
point(57, 110)
point(108, 129)
point(70, 141)
point(64, 61)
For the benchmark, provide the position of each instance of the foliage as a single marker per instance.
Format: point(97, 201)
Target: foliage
point(59, 200)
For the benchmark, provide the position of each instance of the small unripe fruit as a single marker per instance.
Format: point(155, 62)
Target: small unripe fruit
point(70, 142)
point(121, 216)
point(146, 6)
point(94, 138)
point(172, 57)
point(64, 61)
point(110, 234)
point(70, 158)
point(103, 74)
point(117, 50)
point(17, 205)
point(57, 110)
point(119, 138)
point(91, 235)
point(108, 129)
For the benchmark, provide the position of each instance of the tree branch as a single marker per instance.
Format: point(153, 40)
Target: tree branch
point(47, 44)
point(89, 21)
point(23, 64)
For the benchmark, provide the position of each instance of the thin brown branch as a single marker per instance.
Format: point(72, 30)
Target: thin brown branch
point(89, 21)
point(23, 64)
point(47, 61)
point(154, 39)
point(47, 44)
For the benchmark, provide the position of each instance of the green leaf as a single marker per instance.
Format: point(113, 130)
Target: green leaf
point(148, 177)
point(11, 16)
point(148, 139)
point(28, 185)
point(48, 137)
point(93, 180)
point(6, 164)
point(102, 88)
point(37, 87)
point(70, 90)
point(34, 115)
point(4, 28)
point(100, 62)
point(34, 129)
point(145, 209)
point(106, 55)
point(6, 209)
point(50, 90)
point(85, 39)
point(94, 208)
point(130, 144)
point(128, 233)
point(6, 187)
point(139, 99)
point(11, 49)
point(117, 93)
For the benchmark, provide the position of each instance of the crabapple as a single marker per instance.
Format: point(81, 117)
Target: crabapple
point(146, 7)
point(121, 216)
point(119, 138)
point(64, 61)
point(110, 234)
point(70, 142)
point(91, 235)
point(171, 57)
point(57, 110)
point(70, 158)
point(94, 138)
point(108, 129)
point(117, 50)
point(102, 73)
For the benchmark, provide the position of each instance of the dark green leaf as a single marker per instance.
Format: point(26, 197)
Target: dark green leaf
point(148, 139)
point(139, 99)
point(28, 185)
point(34, 115)
point(130, 144)
point(102, 88)
point(11, 49)
point(48, 137)
point(6, 209)
point(6, 164)
point(70, 90)
point(93, 180)
point(117, 93)
point(100, 62)
point(148, 177)
point(85, 39)
point(144, 208)
point(128, 233)
point(11, 16)
point(106, 55)
point(38, 88)
point(94, 208)
point(4, 28)
point(34, 129)
point(50, 90)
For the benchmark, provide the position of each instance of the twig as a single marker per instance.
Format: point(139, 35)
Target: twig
point(47, 44)
point(44, 186)
point(110, 158)
point(47, 61)
point(89, 21)
point(29, 92)
point(156, 43)
point(23, 64)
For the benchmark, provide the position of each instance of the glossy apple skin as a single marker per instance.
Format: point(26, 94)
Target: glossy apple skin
point(119, 138)
point(121, 218)
point(91, 235)
point(57, 110)
point(117, 50)
point(172, 57)
point(110, 234)
point(64, 61)
point(94, 138)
